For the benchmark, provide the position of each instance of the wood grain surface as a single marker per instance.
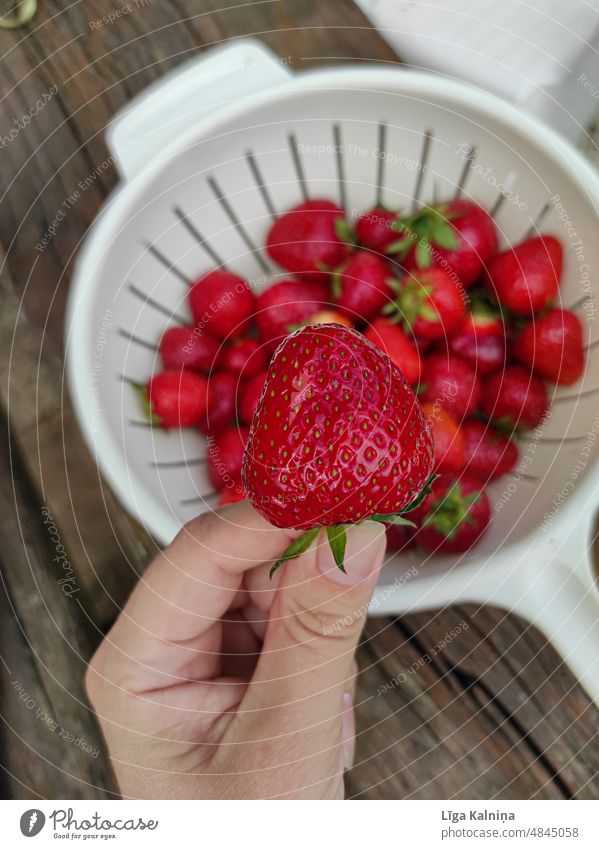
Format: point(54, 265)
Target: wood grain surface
point(494, 715)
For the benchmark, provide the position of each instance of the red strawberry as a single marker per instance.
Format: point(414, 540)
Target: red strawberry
point(338, 437)
point(310, 239)
point(177, 398)
point(398, 538)
point(448, 439)
point(459, 237)
point(222, 303)
point(515, 398)
point(374, 229)
point(245, 357)
point(250, 395)
point(525, 278)
point(392, 339)
point(287, 305)
point(231, 494)
point(361, 287)
point(488, 454)
point(329, 317)
point(451, 383)
point(552, 346)
point(220, 402)
point(225, 457)
point(184, 347)
point(454, 516)
point(429, 304)
point(480, 340)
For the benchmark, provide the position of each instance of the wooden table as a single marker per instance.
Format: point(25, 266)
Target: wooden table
point(495, 715)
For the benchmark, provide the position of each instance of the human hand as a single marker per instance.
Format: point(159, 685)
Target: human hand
point(217, 683)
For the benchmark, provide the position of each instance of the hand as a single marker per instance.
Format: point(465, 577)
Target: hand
point(218, 683)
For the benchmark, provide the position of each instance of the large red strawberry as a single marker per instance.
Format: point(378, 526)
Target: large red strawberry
point(430, 304)
point(459, 237)
point(488, 454)
point(552, 346)
point(338, 437)
point(176, 398)
point(393, 340)
point(515, 398)
point(450, 383)
point(448, 439)
point(287, 305)
point(374, 229)
point(185, 347)
point(310, 239)
point(225, 457)
point(453, 516)
point(525, 278)
point(361, 286)
point(220, 403)
point(245, 357)
point(222, 303)
point(480, 340)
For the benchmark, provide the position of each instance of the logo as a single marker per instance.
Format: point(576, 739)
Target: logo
point(32, 822)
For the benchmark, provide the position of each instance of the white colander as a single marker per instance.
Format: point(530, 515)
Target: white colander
point(208, 156)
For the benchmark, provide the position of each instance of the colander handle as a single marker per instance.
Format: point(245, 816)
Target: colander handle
point(170, 106)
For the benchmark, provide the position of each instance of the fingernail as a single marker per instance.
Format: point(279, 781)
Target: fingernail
point(348, 731)
point(364, 554)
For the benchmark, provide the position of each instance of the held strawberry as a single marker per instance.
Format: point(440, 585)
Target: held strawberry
point(186, 347)
point(448, 439)
point(374, 229)
point(488, 454)
point(362, 286)
point(225, 457)
point(287, 305)
point(514, 399)
point(429, 304)
point(393, 340)
point(175, 398)
point(552, 346)
point(454, 516)
point(338, 437)
point(311, 239)
point(459, 237)
point(223, 303)
point(480, 340)
point(450, 383)
point(525, 278)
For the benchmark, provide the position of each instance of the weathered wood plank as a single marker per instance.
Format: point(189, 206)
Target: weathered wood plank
point(54, 747)
point(106, 555)
point(426, 730)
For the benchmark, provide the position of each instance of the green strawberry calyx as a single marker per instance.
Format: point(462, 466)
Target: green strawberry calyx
point(429, 227)
point(336, 534)
point(451, 511)
point(141, 392)
point(412, 302)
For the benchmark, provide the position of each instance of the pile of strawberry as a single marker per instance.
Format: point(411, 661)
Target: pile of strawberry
point(474, 330)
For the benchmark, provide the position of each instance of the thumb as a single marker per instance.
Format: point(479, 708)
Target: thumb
point(315, 622)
